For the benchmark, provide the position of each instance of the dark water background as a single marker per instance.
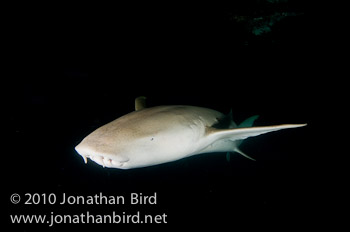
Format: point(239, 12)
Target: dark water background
point(80, 73)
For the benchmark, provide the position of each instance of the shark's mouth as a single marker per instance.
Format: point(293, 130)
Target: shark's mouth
point(105, 161)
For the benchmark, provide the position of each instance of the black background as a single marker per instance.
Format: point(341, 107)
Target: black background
point(75, 68)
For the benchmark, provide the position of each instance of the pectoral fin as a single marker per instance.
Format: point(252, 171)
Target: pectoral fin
point(228, 155)
point(243, 154)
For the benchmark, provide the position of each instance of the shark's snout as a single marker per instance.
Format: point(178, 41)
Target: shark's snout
point(81, 153)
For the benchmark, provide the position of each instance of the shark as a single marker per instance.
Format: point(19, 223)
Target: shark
point(161, 134)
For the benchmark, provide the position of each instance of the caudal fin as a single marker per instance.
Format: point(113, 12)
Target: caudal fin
point(243, 133)
point(238, 134)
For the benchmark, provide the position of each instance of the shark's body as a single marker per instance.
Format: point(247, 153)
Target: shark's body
point(150, 136)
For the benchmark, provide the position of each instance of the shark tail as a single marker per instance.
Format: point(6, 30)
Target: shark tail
point(245, 130)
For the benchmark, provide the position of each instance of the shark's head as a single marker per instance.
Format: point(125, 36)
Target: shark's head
point(142, 138)
point(125, 151)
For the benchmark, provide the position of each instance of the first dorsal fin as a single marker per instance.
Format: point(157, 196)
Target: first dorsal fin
point(225, 122)
point(140, 103)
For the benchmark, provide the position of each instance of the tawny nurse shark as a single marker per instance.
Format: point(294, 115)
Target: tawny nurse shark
point(156, 135)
